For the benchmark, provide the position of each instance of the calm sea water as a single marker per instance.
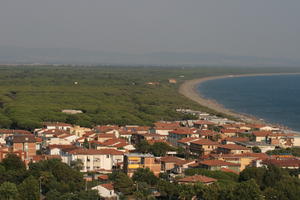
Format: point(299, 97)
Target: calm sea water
point(275, 99)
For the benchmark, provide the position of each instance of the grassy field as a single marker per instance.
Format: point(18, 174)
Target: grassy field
point(30, 95)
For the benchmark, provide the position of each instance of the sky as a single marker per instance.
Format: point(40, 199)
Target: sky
point(256, 28)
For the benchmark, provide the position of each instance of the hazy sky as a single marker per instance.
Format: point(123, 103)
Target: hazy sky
point(268, 28)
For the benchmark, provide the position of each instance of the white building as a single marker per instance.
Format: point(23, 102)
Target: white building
point(106, 191)
point(94, 160)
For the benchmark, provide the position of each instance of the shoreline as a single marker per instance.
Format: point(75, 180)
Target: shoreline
point(189, 90)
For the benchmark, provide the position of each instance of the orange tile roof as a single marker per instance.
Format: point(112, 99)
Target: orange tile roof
point(197, 178)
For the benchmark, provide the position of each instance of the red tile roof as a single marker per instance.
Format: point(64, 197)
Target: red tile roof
point(56, 124)
point(173, 159)
point(13, 131)
point(24, 138)
point(228, 170)
point(261, 133)
point(203, 122)
point(108, 186)
point(96, 152)
point(217, 163)
point(236, 139)
point(185, 140)
point(233, 147)
point(205, 142)
point(183, 131)
point(197, 178)
point(283, 163)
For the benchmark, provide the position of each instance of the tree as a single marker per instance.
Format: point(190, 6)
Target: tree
point(8, 191)
point(77, 164)
point(167, 189)
point(247, 190)
point(273, 175)
point(273, 194)
point(88, 195)
point(142, 147)
point(256, 173)
point(13, 162)
point(144, 175)
point(53, 194)
point(256, 149)
point(122, 183)
point(29, 189)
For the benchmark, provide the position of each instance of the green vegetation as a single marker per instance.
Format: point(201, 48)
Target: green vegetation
point(295, 151)
point(56, 180)
point(30, 95)
point(265, 183)
point(157, 149)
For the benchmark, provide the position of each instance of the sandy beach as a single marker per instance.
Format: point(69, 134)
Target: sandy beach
point(189, 90)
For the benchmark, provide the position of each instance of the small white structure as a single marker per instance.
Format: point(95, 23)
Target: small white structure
point(106, 190)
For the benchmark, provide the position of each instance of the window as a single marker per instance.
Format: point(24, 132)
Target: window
point(107, 156)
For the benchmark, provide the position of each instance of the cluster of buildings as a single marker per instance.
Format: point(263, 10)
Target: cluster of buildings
point(210, 143)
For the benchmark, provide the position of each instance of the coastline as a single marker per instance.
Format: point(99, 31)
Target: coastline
point(189, 90)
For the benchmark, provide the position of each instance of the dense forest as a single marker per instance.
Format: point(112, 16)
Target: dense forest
point(30, 95)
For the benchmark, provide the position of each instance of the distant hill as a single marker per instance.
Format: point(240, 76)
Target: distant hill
point(77, 56)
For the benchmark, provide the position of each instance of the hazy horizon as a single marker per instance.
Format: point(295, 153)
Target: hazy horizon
point(207, 32)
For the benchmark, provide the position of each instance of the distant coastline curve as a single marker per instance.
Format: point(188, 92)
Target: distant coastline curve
point(189, 90)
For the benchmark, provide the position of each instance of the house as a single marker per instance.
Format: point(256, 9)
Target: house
point(181, 133)
point(232, 149)
point(202, 146)
point(133, 161)
point(171, 80)
point(174, 164)
point(261, 136)
point(291, 163)
point(186, 142)
point(234, 140)
point(208, 134)
point(106, 191)
point(203, 124)
point(57, 125)
point(218, 165)
point(283, 140)
point(231, 132)
point(163, 128)
point(137, 137)
point(79, 131)
point(56, 149)
point(264, 147)
point(102, 137)
point(94, 160)
point(243, 160)
point(196, 179)
point(24, 143)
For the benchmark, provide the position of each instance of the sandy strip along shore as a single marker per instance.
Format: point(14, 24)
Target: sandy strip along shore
point(189, 90)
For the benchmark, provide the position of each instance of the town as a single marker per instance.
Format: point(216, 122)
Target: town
point(168, 148)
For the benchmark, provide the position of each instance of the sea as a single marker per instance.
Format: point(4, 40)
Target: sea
point(274, 99)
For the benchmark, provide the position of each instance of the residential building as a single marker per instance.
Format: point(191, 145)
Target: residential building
point(134, 161)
